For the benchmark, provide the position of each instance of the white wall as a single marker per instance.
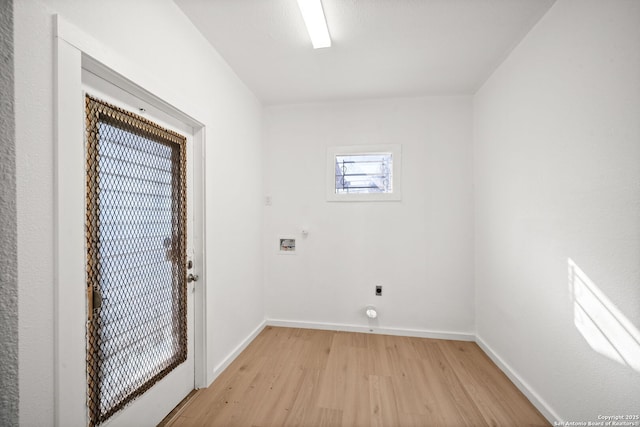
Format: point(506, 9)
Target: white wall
point(556, 187)
point(557, 178)
point(419, 249)
point(156, 35)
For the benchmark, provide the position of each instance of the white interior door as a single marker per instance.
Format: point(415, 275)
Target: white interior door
point(152, 406)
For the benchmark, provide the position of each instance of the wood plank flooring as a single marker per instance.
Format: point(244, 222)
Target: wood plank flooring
point(302, 377)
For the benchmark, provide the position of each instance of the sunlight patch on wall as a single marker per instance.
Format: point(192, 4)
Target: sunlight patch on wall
point(603, 326)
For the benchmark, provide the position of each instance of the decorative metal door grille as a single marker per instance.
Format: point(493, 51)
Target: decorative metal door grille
point(136, 256)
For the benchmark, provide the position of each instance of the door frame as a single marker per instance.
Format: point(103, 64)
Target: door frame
point(73, 51)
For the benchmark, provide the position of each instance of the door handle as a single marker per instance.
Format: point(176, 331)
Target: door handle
point(192, 278)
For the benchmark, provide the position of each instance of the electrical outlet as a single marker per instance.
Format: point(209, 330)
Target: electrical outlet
point(379, 290)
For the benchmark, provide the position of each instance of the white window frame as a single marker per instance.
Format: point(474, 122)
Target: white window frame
point(396, 152)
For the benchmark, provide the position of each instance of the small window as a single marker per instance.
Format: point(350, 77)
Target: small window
point(364, 173)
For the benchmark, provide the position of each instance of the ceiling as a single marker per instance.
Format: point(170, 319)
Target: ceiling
point(381, 48)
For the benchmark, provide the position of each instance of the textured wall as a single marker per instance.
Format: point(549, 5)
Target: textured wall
point(8, 269)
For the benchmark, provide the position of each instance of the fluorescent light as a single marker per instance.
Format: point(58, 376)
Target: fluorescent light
point(316, 24)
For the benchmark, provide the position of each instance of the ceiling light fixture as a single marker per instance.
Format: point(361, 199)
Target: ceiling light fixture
point(315, 21)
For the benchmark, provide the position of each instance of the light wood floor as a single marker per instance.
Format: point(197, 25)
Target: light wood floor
point(302, 377)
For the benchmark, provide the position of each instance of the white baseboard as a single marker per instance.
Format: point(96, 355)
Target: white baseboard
point(459, 336)
point(236, 351)
point(522, 385)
